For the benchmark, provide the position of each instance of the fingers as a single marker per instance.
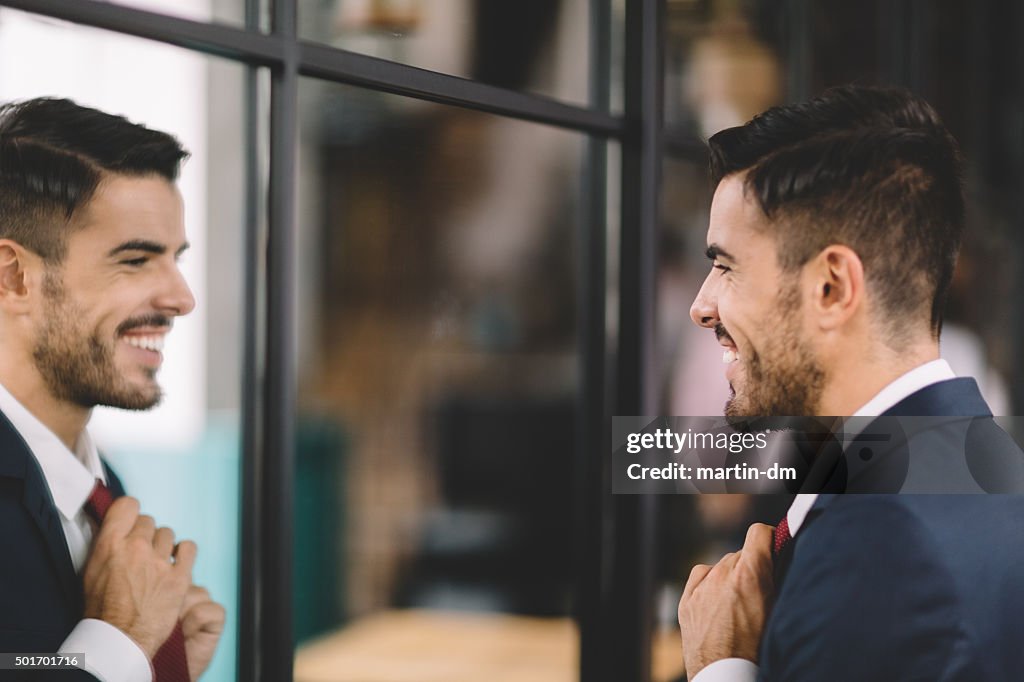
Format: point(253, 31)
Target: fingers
point(759, 538)
point(757, 547)
point(123, 519)
point(120, 518)
point(697, 574)
point(163, 541)
point(728, 561)
point(200, 613)
point(131, 582)
point(756, 566)
point(185, 557)
point(195, 595)
point(701, 571)
point(144, 528)
point(207, 616)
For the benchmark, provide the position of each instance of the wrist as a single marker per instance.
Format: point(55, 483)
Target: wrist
point(701, 658)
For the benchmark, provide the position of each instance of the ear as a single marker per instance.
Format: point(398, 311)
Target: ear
point(835, 278)
point(19, 270)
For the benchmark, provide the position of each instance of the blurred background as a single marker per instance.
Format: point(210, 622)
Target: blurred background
point(438, 334)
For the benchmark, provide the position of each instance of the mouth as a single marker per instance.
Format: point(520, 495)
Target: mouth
point(730, 354)
point(146, 345)
point(731, 360)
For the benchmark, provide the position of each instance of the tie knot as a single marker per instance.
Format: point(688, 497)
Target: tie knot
point(781, 536)
point(99, 502)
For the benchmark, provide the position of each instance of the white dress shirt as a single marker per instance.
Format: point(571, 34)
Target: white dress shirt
point(742, 670)
point(110, 655)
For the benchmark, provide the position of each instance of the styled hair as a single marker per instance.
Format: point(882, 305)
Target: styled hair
point(871, 168)
point(53, 155)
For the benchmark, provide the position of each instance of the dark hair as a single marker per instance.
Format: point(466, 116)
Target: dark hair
point(871, 168)
point(54, 154)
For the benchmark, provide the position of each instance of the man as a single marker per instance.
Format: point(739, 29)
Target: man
point(833, 235)
point(91, 227)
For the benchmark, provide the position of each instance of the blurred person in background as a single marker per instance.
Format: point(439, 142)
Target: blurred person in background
point(91, 229)
point(834, 231)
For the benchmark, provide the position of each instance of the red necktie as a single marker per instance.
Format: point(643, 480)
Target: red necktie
point(781, 536)
point(170, 662)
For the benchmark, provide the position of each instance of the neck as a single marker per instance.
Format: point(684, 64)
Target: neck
point(857, 378)
point(21, 379)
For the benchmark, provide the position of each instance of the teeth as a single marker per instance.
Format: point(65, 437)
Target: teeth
point(729, 356)
point(155, 343)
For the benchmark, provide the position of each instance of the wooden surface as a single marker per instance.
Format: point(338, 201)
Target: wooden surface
point(437, 646)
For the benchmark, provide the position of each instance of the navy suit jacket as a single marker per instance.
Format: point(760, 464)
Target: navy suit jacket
point(910, 586)
point(41, 596)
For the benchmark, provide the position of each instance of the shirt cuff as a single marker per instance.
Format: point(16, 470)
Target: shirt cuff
point(728, 670)
point(109, 654)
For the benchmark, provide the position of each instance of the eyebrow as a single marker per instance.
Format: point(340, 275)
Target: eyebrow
point(145, 245)
point(715, 251)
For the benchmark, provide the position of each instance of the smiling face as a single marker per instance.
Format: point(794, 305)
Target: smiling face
point(755, 310)
point(108, 305)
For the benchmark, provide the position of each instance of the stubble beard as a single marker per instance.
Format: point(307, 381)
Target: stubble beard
point(78, 366)
point(791, 383)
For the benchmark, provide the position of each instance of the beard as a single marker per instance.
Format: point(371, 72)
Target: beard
point(78, 365)
point(785, 380)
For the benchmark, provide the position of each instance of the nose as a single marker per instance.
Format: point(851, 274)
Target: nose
point(704, 310)
point(176, 297)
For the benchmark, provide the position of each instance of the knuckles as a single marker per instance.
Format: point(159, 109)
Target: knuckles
point(138, 545)
point(759, 539)
point(187, 548)
point(101, 547)
point(125, 505)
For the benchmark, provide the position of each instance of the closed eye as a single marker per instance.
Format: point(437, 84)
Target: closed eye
point(723, 268)
point(135, 262)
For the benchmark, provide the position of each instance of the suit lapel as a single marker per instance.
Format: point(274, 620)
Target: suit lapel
point(780, 565)
point(113, 482)
point(17, 461)
point(952, 398)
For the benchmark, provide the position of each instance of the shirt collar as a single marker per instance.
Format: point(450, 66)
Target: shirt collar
point(913, 381)
point(69, 475)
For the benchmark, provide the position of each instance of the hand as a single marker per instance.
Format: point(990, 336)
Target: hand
point(202, 619)
point(130, 580)
point(724, 608)
point(202, 622)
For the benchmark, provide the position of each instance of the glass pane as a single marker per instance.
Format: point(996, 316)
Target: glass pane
point(180, 459)
point(539, 46)
point(438, 375)
point(617, 47)
point(722, 64)
point(933, 48)
point(230, 12)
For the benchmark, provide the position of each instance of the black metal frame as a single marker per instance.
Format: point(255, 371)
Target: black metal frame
point(253, 368)
point(614, 624)
point(590, 497)
point(629, 615)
